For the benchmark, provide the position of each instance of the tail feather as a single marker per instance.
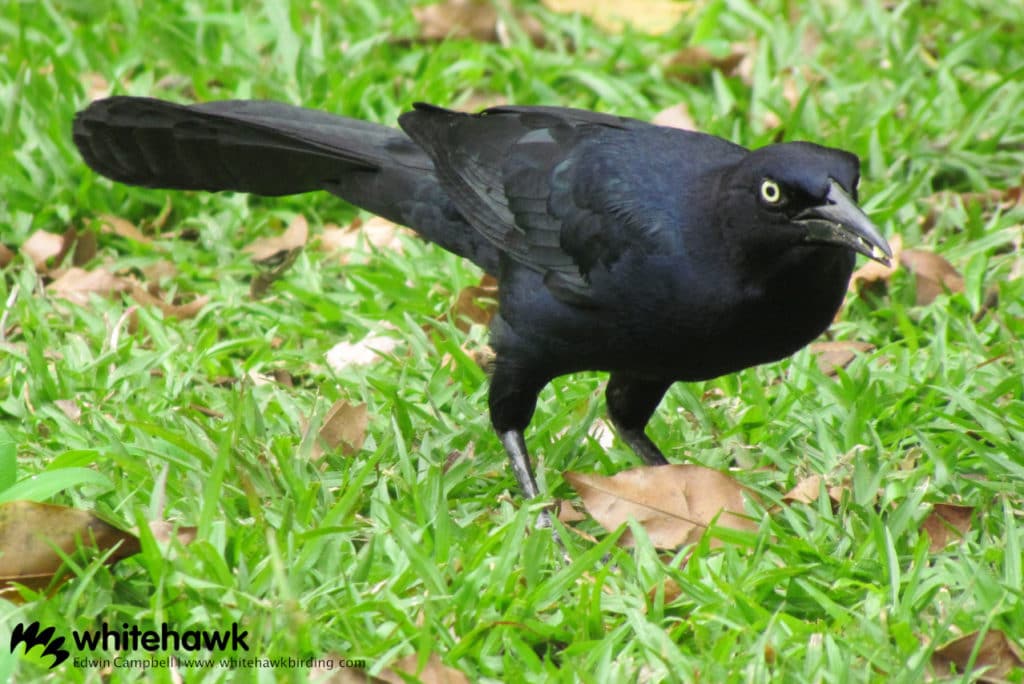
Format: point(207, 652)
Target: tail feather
point(267, 148)
point(271, 148)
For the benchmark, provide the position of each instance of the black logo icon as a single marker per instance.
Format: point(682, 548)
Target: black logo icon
point(32, 637)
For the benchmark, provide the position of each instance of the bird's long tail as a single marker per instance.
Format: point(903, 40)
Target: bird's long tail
point(271, 148)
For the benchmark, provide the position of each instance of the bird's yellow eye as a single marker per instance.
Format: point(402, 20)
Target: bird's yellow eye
point(770, 191)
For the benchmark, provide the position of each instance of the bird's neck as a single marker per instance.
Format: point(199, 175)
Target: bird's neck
point(796, 297)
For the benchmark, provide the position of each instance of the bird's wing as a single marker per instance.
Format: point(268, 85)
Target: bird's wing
point(560, 191)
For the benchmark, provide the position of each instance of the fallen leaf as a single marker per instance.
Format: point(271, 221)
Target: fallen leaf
point(353, 240)
point(433, 671)
point(476, 304)
point(935, 275)
point(160, 270)
point(163, 531)
point(567, 513)
point(694, 62)
point(206, 411)
point(364, 352)
point(85, 248)
point(41, 246)
point(676, 116)
point(77, 285)
point(648, 16)
point(474, 20)
point(808, 490)
point(122, 227)
point(832, 355)
point(270, 270)
point(672, 591)
point(989, 201)
point(182, 312)
point(70, 408)
point(344, 427)
point(946, 523)
point(674, 503)
point(454, 456)
point(482, 355)
point(96, 86)
point(478, 101)
point(996, 653)
point(276, 248)
point(30, 531)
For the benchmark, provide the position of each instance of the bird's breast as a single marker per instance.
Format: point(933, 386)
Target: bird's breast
point(670, 322)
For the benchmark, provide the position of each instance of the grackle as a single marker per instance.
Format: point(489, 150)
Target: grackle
point(652, 253)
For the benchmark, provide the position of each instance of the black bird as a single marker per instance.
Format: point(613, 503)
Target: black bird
point(652, 253)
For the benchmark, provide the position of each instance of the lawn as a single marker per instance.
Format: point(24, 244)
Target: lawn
point(406, 545)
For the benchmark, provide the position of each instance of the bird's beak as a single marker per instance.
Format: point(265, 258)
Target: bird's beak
point(841, 222)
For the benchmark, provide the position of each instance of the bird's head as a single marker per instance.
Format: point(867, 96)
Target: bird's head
point(802, 193)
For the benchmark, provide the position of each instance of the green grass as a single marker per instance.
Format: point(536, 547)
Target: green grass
point(385, 554)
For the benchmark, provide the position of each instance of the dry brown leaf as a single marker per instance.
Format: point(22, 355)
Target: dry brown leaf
point(260, 285)
point(454, 456)
point(990, 201)
point(77, 285)
point(674, 503)
point(360, 238)
point(96, 86)
point(275, 248)
point(694, 62)
point(997, 654)
point(672, 591)
point(472, 19)
point(344, 427)
point(160, 270)
point(568, 514)
point(835, 354)
point(41, 246)
point(935, 275)
point(807, 491)
point(122, 227)
point(434, 671)
point(70, 408)
point(478, 101)
point(476, 304)
point(156, 224)
point(364, 352)
point(29, 531)
point(163, 531)
point(182, 312)
point(480, 354)
point(649, 16)
point(947, 523)
point(677, 116)
point(85, 248)
point(791, 93)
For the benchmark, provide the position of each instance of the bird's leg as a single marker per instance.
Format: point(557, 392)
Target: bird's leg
point(519, 459)
point(631, 402)
point(512, 400)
